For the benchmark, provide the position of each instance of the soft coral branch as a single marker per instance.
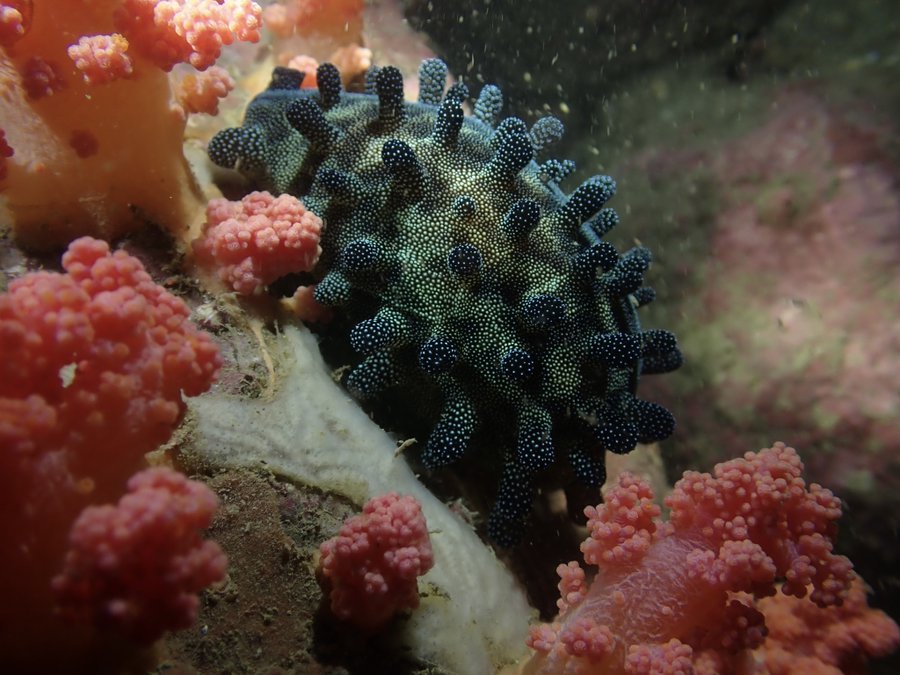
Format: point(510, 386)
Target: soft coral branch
point(95, 364)
point(187, 31)
point(667, 590)
point(371, 567)
point(137, 567)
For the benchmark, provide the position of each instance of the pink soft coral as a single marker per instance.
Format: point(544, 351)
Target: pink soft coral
point(14, 19)
point(73, 70)
point(137, 567)
point(804, 639)
point(42, 78)
point(200, 92)
point(259, 239)
point(101, 58)
point(335, 18)
point(373, 563)
point(187, 31)
point(664, 590)
point(95, 364)
point(5, 152)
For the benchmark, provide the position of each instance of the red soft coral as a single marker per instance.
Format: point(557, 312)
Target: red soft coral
point(664, 590)
point(259, 239)
point(373, 563)
point(137, 567)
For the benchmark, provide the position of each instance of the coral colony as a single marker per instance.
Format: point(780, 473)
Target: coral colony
point(68, 96)
point(733, 532)
point(95, 364)
point(373, 564)
point(466, 268)
point(466, 274)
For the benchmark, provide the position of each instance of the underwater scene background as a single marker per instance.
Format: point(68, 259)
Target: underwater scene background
point(333, 331)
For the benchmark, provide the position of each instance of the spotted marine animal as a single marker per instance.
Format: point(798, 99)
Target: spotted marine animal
point(466, 271)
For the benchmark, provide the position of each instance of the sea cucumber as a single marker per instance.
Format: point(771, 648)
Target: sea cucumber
point(465, 270)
